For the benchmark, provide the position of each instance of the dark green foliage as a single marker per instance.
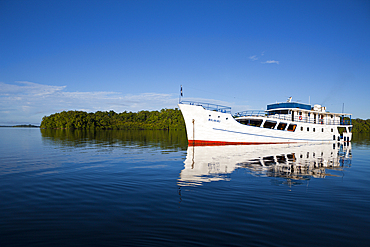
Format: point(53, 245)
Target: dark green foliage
point(166, 119)
point(361, 126)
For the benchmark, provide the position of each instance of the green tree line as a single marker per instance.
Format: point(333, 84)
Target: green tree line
point(361, 126)
point(165, 119)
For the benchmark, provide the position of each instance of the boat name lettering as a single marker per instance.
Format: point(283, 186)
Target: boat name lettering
point(214, 120)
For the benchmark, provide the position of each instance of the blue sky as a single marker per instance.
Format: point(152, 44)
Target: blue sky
point(134, 55)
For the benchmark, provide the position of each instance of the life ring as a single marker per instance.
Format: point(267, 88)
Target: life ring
point(300, 117)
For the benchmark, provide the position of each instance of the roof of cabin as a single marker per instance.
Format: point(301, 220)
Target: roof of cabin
point(289, 105)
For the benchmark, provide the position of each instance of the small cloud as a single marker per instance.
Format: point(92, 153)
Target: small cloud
point(253, 58)
point(263, 53)
point(271, 61)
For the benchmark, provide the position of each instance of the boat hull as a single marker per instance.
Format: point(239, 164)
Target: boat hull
point(206, 127)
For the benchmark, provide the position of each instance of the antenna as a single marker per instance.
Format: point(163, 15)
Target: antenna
point(343, 108)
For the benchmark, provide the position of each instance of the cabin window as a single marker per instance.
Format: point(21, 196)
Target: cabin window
point(331, 116)
point(308, 128)
point(341, 130)
point(250, 122)
point(282, 126)
point(331, 130)
point(313, 129)
point(292, 127)
point(301, 128)
point(322, 130)
point(278, 112)
point(269, 124)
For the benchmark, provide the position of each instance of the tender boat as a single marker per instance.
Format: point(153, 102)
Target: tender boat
point(286, 122)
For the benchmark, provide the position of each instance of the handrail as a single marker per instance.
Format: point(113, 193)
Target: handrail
point(250, 113)
point(259, 113)
point(209, 106)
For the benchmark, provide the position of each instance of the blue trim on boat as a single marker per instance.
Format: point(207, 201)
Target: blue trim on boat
point(237, 132)
point(289, 105)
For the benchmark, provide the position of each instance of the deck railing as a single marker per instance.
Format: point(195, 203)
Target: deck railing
point(209, 106)
point(286, 117)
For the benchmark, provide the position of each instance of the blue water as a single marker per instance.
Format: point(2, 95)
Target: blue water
point(117, 188)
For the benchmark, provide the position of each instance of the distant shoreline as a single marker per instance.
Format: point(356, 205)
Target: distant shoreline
point(21, 126)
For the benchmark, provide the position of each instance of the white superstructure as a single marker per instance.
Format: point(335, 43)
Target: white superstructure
point(288, 122)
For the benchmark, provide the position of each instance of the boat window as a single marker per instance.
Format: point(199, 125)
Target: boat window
point(341, 130)
point(269, 124)
point(227, 118)
point(250, 122)
point(292, 127)
point(282, 126)
point(313, 129)
point(278, 112)
point(331, 130)
point(322, 130)
point(308, 128)
point(301, 128)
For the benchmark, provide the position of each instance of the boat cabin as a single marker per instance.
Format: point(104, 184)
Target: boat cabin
point(290, 116)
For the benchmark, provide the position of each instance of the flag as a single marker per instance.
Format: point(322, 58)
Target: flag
point(181, 91)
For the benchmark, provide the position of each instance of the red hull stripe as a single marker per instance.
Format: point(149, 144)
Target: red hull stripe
point(218, 143)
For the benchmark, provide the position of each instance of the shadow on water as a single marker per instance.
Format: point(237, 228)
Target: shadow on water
point(291, 164)
point(161, 139)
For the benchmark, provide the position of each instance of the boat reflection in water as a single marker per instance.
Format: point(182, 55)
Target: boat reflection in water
point(291, 162)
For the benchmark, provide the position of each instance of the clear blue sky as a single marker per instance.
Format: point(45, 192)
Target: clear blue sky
point(134, 55)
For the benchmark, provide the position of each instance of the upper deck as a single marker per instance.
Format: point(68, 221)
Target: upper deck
point(286, 111)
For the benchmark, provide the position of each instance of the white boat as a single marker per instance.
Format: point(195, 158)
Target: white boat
point(287, 122)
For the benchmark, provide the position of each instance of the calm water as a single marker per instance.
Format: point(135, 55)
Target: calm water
point(121, 188)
